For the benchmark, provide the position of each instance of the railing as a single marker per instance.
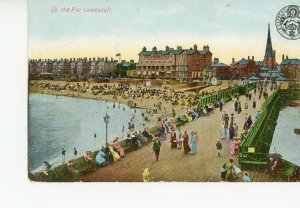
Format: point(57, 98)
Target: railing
point(226, 95)
point(259, 137)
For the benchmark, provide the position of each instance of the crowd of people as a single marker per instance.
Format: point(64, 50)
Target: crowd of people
point(178, 139)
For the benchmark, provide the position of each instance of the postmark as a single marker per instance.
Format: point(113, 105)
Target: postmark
point(287, 22)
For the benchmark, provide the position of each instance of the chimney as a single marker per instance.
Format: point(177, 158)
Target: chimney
point(282, 57)
point(287, 57)
point(216, 60)
point(144, 49)
point(179, 48)
point(106, 59)
point(154, 49)
point(248, 57)
point(206, 48)
point(252, 58)
point(232, 60)
point(111, 59)
point(195, 47)
point(167, 48)
point(171, 49)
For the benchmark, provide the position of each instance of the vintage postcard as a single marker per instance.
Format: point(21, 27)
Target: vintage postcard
point(169, 90)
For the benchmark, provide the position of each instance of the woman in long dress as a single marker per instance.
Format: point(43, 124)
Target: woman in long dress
point(173, 140)
point(223, 132)
point(119, 148)
point(186, 147)
point(115, 155)
point(193, 142)
point(178, 138)
point(100, 158)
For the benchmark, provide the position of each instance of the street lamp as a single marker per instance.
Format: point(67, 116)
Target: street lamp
point(95, 139)
point(106, 121)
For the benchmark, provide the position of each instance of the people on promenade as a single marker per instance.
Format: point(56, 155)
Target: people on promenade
point(108, 156)
point(186, 147)
point(219, 148)
point(226, 120)
point(257, 115)
point(224, 172)
point(245, 126)
point(239, 110)
point(236, 129)
point(100, 158)
point(223, 116)
point(230, 167)
point(231, 132)
point(193, 142)
point(156, 148)
point(63, 155)
point(249, 122)
point(246, 177)
point(118, 147)
point(232, 120)
point(173, 140)
point(254, 104)
point(179, 138)
point(133, 142)
point(223, 132)
point(115, 155)
point(221, 105)
point(88, 156)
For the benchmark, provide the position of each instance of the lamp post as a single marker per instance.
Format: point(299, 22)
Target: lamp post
point(106, 121)
point(95, 139)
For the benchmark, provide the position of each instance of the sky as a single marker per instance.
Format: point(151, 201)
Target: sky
point(232, 29)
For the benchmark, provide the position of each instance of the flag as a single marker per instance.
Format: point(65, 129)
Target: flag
point(118, 54)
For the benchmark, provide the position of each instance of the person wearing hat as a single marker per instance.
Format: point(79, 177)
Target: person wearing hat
point(246, 177)
point(219, 148)
point(186, 147)
point(193, 142)
point(156, 148)
point(173, 140)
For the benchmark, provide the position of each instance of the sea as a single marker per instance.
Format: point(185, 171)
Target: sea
point(285, 141)
point(57, 122)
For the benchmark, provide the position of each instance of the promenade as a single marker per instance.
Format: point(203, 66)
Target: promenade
point(173, 164)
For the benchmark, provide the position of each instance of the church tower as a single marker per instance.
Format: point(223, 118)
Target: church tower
point(269, 59)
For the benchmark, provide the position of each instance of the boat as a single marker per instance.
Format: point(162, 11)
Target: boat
point(297, 131)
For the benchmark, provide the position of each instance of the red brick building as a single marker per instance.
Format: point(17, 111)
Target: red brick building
point(220, 70)
point(244, 68)
point(174, 64)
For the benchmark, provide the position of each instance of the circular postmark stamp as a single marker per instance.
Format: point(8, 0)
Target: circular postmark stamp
point(287, 22)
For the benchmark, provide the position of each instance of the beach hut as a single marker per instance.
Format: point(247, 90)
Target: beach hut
point(253, 79)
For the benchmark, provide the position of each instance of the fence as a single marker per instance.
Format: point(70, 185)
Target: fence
point(226, 95)
point(254, 150)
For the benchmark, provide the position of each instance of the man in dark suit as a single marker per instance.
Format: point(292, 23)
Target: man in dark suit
point(156, 148)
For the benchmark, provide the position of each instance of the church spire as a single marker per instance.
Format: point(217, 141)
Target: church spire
point(269, 49)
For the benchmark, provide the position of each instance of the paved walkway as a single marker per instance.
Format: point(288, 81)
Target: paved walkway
point(173, 165)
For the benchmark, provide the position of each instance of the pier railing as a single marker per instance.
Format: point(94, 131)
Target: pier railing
point(226, 94)
point(254, 149)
